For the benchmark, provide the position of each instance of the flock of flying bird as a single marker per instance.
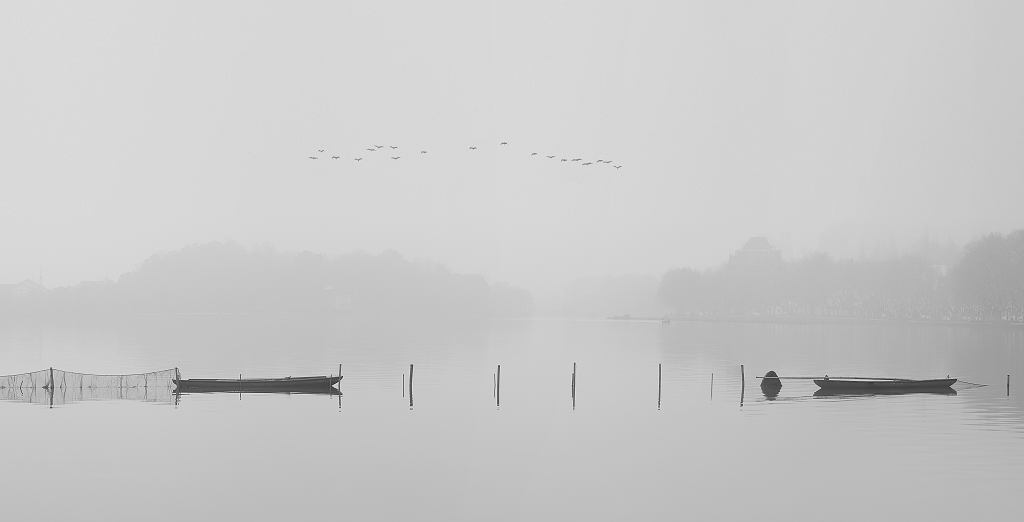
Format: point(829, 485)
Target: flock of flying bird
point(567, 160)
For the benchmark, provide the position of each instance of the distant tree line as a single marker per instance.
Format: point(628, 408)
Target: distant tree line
point(225, 277)
point(986, 283)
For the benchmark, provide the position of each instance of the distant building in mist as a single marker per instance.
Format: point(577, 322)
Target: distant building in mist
point(756, 253)
point(21, 289)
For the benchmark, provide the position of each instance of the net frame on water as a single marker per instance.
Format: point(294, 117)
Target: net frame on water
point(52, 387)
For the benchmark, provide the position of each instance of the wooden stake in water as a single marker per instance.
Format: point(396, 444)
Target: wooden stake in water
point(659, 386)
point(743, 384)
point(1007, 385)
point(403, 385)
point(410, 386)
point(498, 386)
point(574, 386)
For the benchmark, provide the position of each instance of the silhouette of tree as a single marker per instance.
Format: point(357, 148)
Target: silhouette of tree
point(225, 277)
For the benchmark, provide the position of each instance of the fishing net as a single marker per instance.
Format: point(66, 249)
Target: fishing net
point(53, 387)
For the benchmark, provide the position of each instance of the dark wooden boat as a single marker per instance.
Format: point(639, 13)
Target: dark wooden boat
point(286, 384)
point(884, 391)
point(882, 385)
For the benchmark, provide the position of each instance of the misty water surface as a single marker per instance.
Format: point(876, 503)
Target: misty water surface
point(456, 455)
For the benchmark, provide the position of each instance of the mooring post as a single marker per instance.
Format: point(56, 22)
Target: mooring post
point(574, 386)
point(498, 386)
point(743, 384)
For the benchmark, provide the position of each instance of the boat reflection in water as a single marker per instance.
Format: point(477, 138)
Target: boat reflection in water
point(330, 392)
point(882, 391)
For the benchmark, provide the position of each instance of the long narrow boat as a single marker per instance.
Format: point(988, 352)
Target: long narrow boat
point(884, 391)
point(880, 385)
point(286, 384)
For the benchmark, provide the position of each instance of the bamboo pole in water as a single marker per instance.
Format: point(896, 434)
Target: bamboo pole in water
point(743, 384)
point(573, 386)
point(659, 386)
point(498, 386)
point(410, 385)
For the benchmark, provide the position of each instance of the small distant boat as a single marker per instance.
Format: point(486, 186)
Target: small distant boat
point(881, 385)
point(286, 384)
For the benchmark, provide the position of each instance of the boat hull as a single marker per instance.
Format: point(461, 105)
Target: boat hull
point(287, 384)
point(882, 385)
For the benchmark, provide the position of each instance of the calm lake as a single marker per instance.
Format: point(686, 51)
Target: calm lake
point(456, 455)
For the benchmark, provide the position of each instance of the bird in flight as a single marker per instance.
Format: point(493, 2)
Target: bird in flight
point(563, 159)
point(335, 157)
point(372, 150)
point(321, 150)
point(588, 163)
point(504, 143)
point(550, 157)
point(395, 157)
point(423, 152)
point(359, 159)
point(312, 157)
point(534, 154)
point(379, 146)
point(472, 148)
point(578, 159)
point(392, 146)
point(618, 166)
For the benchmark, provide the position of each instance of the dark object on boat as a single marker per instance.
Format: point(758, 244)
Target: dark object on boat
point(287, 384)
point(882, 385)
point(770, 384)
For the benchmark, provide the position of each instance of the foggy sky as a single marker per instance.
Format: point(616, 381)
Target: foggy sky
point(132, 128)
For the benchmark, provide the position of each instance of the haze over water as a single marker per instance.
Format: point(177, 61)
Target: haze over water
point(455, 455)
point(141, 130)
point(271, 189)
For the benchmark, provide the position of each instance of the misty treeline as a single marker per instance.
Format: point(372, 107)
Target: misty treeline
point(985, 283)
point(226, 277)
